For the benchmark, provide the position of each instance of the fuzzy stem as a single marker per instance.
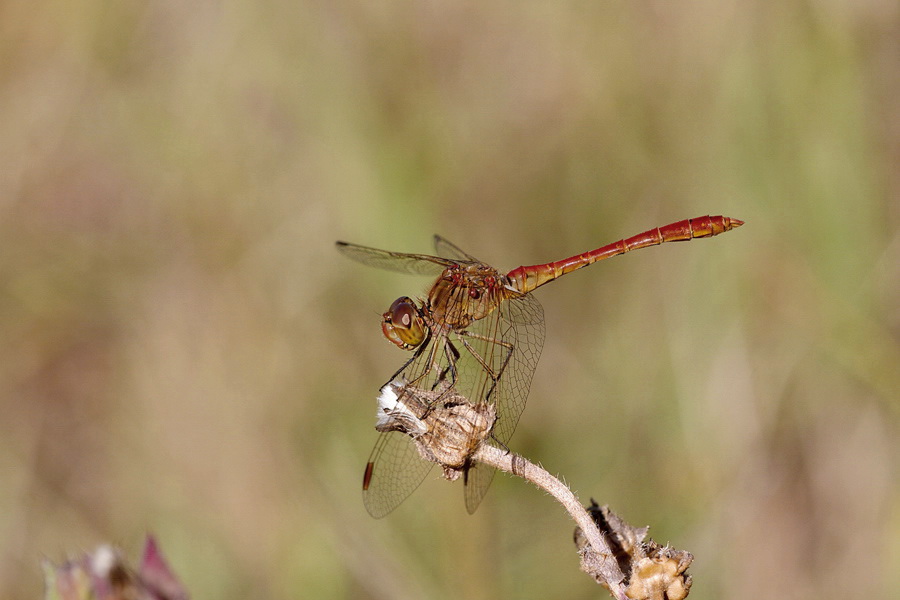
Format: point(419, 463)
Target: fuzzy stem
point(522, 467)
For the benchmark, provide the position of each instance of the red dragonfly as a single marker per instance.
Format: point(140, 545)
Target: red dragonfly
point(480, 331)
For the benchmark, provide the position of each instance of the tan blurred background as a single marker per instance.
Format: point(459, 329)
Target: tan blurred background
point(183, 352)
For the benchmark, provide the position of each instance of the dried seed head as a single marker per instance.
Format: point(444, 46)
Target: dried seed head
point(652, 572)
point(445, 426)
point(659, 574)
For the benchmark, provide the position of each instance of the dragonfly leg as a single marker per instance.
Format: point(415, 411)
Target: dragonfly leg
point(495, 376)
point(503, 446)
point(452, 355)
point(431, 345)
point(412, 359)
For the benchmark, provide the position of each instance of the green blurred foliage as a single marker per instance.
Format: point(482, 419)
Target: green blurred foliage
point(184, 352)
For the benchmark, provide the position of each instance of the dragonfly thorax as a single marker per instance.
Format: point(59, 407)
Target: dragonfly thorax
point(403, 324)
point(465, 293)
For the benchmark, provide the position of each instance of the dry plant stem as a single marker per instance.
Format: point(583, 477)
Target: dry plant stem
point(522, 467)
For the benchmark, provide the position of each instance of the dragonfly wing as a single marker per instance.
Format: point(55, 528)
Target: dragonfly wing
point(509, 342)
point(414, 264)
point(448, 249)
point(520, 326)
point(397, 470)
point(478, 480)
point(524, 310)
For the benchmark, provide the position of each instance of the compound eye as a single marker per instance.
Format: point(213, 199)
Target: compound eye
point(402, 312)
point(403, 325)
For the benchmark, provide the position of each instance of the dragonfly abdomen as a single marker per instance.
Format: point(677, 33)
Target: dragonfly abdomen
point(526, 279)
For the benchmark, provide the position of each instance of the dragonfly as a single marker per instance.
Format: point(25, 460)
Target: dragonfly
point(478, 331)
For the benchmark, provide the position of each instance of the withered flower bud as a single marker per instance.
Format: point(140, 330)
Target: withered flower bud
point(445, 426)
point(652, 572)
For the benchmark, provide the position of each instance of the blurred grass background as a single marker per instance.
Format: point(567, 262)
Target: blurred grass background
point(184, 352)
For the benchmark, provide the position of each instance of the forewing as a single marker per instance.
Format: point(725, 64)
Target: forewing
point(397, 470)
point(414, 264)
point(446, 248)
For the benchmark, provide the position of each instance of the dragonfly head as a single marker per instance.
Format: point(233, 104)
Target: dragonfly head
point(403, 324)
